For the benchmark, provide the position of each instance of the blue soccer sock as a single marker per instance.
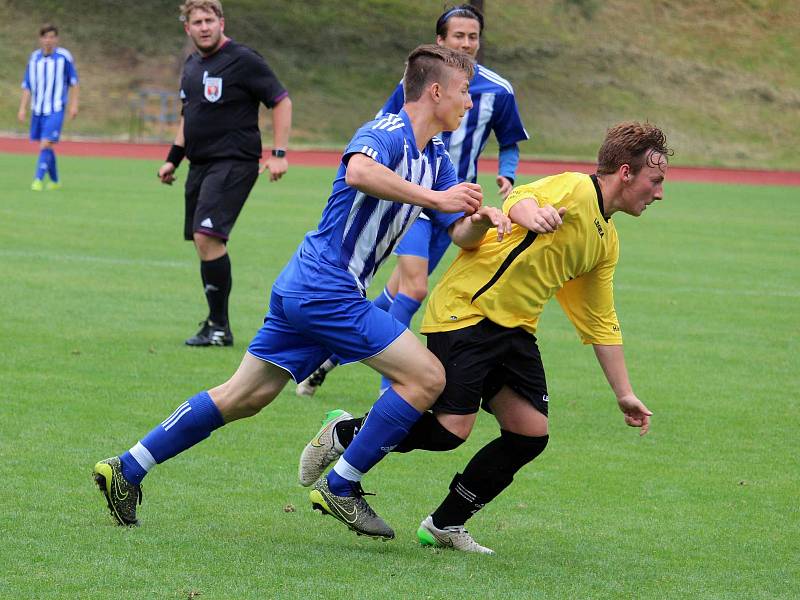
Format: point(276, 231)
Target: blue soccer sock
point(41, 164)
point(387, 424)
point(403, 309)
point(384, 300)
point(52, 170)
point(192, 422)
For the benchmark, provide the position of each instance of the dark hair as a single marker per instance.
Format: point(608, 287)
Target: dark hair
point(631, 143)
point(466, 11)
point(426, 64)
point(47, 28)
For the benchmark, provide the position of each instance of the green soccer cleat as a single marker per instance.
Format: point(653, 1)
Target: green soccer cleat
point(52, 186)
point(37, 185)
point(353, 511)
point(122, 496)
point(323, 449)
point(455, 537)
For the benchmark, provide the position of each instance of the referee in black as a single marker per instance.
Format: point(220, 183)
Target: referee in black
point(221, 87)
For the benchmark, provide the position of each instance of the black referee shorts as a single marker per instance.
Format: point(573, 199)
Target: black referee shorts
point(215, 194)
point(479, 360)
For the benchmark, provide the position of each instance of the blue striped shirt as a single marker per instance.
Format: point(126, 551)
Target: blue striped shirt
point(48, 78)
point(494, 109)
point(358, 232)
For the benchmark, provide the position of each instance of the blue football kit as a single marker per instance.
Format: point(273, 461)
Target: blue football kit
point(48, 78)
point(318, 305)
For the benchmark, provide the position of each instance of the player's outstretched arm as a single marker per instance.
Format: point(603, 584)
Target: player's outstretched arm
point(539, 219)
point(468, 231)
point(612, 360)
point(374, 179)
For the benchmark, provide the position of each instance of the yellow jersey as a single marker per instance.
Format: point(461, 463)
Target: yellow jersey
point(509, 282)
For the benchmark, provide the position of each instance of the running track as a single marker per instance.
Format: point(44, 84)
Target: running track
point(329, 158)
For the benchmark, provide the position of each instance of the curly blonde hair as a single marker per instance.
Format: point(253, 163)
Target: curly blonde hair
point(187, 7)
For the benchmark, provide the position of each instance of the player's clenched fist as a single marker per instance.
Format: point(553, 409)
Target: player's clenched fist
point(463, 197)
point(167, 173)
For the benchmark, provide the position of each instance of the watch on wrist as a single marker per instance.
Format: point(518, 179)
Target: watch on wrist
point(278, 152)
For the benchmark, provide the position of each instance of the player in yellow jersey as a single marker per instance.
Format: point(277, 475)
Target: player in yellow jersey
point(481, 321)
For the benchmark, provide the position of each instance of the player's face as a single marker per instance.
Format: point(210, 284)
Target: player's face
point(462, 34)
point(48, 42)
point(455, 99)
point(206, 29)
point(646, 186)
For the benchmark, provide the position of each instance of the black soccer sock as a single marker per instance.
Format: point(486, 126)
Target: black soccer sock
point(426, 434)
point(217, 282)
point(490, 471)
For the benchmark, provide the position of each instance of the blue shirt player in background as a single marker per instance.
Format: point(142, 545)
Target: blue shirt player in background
point(494, 110)
point(46, 88)
point(393, 169)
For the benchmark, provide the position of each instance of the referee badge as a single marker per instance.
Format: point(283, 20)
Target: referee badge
point(213, 88)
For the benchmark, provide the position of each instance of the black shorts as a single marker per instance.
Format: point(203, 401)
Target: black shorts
point(479, 360)
point(215, 194)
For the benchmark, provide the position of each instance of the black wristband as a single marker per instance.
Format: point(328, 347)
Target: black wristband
point(279, 152)
point(176, 154)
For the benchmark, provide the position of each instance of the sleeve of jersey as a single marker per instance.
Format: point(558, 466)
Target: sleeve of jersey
point(72, 73)
point(588, 301)
point(380, 145)
point(507, 125)
point(265, 83)
point(394, 103)
point(523, 192)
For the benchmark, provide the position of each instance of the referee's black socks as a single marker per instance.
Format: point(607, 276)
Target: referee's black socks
point(217, 283)
point(490, 471)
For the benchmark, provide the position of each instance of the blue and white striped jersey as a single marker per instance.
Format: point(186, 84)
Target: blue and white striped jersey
point(494, 109)
point(48, 78)
point(357, 232)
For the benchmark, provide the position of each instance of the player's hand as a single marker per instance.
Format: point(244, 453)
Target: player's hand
point(463, 197)
point(546, 219)
point(277, 167)
point(21, 115)
point(73, 112)
point(504, 186)
point(167, 173)
point(636, 413)
point(492, 217)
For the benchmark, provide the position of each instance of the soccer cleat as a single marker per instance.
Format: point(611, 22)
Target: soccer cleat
point(211, 334)
point(323, 449)
point(353, 511)
point(309, 385)
point(51, 186)
point(455, 537)
point(122, 496)
point(37, 185)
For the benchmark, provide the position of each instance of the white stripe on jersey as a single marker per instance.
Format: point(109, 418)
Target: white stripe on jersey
point(485, 111)
point(50, 68)
point(58, 104)
point(393, 121)
point(495, 78)
point(38, 91)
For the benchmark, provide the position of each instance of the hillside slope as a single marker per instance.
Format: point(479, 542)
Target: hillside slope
point(721, 77)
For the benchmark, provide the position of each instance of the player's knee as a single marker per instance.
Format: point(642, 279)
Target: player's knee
point(416, 290)
point(524, 447)
point(431, 380)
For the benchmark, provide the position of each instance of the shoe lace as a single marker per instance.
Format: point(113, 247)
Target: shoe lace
point(358, 491)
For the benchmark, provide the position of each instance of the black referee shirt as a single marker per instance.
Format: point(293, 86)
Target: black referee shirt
point(220, 95)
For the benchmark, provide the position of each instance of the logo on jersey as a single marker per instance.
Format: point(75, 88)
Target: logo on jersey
point(599, 228)
point(212, 89)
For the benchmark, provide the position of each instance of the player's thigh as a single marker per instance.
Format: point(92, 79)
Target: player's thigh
point(51, 129)
point(416, 241)
point(254, 385)
point(191, 193)
point(413, 276)
point(406, 360)
point(222, 195)
point(36, 128)
point(517, 414)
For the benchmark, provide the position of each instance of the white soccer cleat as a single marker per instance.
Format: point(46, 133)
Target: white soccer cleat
point(323, 449)
point(455, 537)
point(310, 384)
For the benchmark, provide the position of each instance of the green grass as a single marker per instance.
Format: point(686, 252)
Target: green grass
point(720, 77)
point(99, 292)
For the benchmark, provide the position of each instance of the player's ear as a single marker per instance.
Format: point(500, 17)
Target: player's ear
point(436, 91)
point(222, 23)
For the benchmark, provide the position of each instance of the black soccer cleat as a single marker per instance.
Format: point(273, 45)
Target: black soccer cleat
point(211, 334)
point(121, 495)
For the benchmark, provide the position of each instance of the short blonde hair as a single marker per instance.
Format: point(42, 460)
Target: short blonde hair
point(187, 7)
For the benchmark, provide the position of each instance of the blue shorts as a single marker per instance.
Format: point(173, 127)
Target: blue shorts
point(47, 127)
point(426, 240)
point(299, 334)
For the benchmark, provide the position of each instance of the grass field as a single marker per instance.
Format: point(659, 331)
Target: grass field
point(99, 292)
